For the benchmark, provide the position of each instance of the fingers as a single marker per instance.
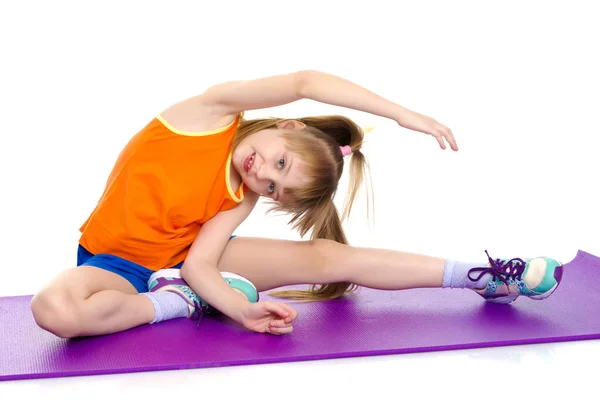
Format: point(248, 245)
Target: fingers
point(440, 140)
point(281, 331)
point(282, 325)
point(451, 140)
point(279, 327)
point(442, 132)
point(292, 314)
point(282, 310)
point(276, 308)
point(279, 323)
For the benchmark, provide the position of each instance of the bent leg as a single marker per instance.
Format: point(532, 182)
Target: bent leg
point(272, 263)
point(86, 301)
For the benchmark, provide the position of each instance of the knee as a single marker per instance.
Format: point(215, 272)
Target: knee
point(325, 248)
point(322, 246)
point(56, 312)
point(326, 255)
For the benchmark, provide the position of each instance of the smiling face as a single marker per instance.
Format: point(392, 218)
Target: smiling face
point(266, 164)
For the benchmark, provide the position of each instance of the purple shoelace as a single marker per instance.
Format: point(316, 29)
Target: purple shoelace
point(201, 310)
point(503, 270)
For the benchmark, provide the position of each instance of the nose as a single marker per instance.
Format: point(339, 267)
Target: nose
point(263, 172)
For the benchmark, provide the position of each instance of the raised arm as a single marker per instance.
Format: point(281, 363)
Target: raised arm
point(231, 98)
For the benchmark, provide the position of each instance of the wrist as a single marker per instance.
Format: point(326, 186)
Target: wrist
point(210, 286)
point(243, 312)
point(417, 122)
point(402, 115)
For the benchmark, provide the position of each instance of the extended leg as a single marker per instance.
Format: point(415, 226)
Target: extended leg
point(271, 263)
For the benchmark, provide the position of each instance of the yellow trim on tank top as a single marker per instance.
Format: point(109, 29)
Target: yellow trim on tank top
point(237, 198)
point(205, 133)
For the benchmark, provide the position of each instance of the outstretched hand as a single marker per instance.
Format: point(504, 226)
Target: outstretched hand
point(422, 123)
point(269, 317)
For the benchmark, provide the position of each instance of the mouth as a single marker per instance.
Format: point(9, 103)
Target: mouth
point(249, 162)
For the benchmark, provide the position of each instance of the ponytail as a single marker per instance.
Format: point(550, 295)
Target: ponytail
point(313, 207)
point(345, 132)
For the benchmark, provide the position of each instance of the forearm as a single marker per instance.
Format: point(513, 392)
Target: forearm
point(331, 89)
point(206, 281)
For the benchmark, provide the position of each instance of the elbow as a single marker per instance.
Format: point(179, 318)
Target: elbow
point(303, 82)
point(185, 271)
point(190, 270)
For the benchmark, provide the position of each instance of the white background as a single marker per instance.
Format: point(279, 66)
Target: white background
point(516, 81)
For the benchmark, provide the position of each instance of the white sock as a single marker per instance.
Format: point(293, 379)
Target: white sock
point(456, 275)
point(167, 305)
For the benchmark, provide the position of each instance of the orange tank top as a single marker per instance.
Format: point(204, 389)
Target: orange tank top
point(165, 185)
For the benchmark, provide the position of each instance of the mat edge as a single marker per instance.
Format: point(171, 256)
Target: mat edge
point(314, 357)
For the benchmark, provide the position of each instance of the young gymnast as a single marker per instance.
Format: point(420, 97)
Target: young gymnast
point(159, 243)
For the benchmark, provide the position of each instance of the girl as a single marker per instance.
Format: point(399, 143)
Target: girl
point(159, 241)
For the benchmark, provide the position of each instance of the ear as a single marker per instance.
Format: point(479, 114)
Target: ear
point(291, 124)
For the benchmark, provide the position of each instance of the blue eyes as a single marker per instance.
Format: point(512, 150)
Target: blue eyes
point(280, 165)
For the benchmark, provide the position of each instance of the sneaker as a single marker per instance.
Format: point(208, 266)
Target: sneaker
point(536, 278)
point(171, 280)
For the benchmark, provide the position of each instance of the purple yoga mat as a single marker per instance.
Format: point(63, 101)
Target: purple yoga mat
point(366, 323)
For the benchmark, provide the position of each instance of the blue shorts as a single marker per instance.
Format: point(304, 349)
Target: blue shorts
point(137, 275)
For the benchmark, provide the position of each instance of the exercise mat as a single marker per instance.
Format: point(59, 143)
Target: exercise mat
point(365, 323)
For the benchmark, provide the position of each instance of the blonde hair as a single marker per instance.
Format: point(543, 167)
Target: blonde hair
point(312, 206)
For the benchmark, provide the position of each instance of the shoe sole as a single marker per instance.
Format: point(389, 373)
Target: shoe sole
point(503, 300)
point(544, 295)
point(230, 275)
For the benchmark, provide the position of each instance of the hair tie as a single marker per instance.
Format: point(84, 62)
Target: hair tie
point(346, 150)
point(367, 129)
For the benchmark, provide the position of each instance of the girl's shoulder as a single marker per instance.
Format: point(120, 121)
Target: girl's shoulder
point(191, 115)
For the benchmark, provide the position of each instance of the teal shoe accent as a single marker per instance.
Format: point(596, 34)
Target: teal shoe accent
point(246, 288)
point(549, 281)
